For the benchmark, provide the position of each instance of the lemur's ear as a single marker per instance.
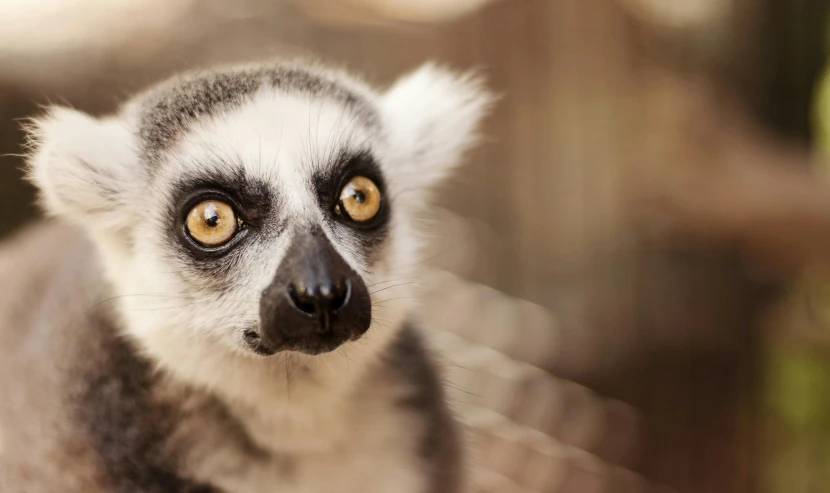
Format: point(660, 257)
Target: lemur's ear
point(84, 167)
point(432, 116)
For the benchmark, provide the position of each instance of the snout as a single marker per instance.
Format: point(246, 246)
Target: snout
point(321, 300)
point(315, 303)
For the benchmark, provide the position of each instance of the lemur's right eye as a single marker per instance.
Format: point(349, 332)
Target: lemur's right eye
point(211, 223)
point(360, 199)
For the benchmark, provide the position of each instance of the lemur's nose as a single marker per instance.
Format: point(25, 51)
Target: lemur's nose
point(320, 300)
point(316, 301)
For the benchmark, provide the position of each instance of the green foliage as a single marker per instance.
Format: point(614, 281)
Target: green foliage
point(821, 117)
point(797, 400)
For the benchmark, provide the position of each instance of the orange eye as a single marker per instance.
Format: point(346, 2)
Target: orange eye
point(211, 223)
point(360, 199)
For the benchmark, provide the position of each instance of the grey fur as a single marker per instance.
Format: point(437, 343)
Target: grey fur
point(440, 444)
point(169, 109)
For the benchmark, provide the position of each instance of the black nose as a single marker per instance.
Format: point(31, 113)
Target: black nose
point(321, 300)
point(316, 301)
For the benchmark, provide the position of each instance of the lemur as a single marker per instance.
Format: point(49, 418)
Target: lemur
point(223, 299)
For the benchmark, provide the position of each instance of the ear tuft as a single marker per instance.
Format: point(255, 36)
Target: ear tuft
point(84, 167)
point(432, 116)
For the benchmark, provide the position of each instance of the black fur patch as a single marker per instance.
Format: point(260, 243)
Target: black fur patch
point(253, 201)
point(440, 446)
point(329, 182)
point(173, 107)
point(126, 426)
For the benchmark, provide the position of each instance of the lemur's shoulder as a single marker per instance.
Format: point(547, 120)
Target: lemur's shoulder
point(422, 377)
point(86, 402)
point(47, 271)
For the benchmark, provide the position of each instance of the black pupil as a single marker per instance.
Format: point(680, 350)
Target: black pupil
point(211, 217)
point(359, 196)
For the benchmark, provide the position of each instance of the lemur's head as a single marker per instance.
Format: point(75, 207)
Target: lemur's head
point(262, 208)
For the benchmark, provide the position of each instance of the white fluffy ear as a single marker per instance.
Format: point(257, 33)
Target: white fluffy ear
point(432, 116)
point(84, 167)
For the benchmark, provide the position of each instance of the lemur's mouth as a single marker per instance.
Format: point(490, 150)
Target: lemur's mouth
point(254, 343)
point(315, 303)
point(321, 344)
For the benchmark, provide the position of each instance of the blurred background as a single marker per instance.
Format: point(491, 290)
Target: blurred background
point(629, 278)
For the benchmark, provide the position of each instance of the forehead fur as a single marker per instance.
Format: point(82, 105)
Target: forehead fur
point(282, 118)
point(167, 111)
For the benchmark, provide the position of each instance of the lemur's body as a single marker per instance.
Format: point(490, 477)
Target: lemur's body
point(98, 415)
point(238, 320)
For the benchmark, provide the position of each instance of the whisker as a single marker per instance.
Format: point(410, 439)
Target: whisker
point(394, 299)
point(390, 280)
point(293, 372)
point(393, 286)
point(326, 361)
point(159, 308)
point(287, 378)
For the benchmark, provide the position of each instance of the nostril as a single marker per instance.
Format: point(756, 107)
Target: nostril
point(340, 296)
point(324, 298)
point(302, 302)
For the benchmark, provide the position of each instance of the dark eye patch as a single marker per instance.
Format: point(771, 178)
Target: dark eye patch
point(253, 196)
point(253, 202)
point(328, 183)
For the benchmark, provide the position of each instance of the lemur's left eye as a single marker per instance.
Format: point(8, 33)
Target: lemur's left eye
point(211, 223)
point(360, 199)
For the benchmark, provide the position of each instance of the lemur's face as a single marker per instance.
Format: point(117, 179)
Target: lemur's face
point(275, 221)
point(266, 209)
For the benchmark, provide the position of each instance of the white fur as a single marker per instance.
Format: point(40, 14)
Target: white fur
point(90, 172)
point(431, 116)
point(86, 168)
